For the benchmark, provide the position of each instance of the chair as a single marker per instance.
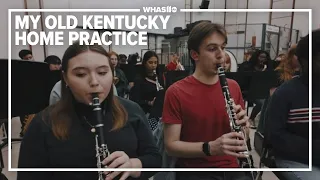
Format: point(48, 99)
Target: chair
point(267, 159)
point(3, 124)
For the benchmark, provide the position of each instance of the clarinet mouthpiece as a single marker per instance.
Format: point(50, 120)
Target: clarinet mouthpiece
point(95, 99)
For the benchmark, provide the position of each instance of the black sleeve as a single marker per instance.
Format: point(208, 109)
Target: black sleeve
point(148, 152)
point(124, 80)
point(33, 151)
point(278, 136)
point(135, 93)
point(123, 77)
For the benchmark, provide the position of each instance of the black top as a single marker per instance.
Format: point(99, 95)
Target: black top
point(144, 91)
point(41, 149)
point(287, 121)
point(122, 85)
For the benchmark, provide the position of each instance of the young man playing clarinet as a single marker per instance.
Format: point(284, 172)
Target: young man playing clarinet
point(197, 127)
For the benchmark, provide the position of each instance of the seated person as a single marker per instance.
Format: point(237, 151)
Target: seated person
point(259, 61)
point(69, 133)
point(148, 89)
point(287, 116)
point(54, 62)
point(175, 64)
point(26, 55)
point(287, 69)
point(148, 82)
point(120, 80)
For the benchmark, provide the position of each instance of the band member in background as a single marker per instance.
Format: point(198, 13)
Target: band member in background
point(197, 128)
point(287, 116)
point(260, 61)
point(175, 64)
point(122, 59)
point(289, 66)
point(132, 62)
point(54, 62)
point(120, 79)
point(144, 91)
point(63, 135)
point(26, 55)
point(149, 86)
point(227, 63)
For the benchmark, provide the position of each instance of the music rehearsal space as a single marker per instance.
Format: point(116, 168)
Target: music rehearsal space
point(16, 126)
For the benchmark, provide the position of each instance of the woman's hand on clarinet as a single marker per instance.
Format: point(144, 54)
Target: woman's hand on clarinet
point(120, 159)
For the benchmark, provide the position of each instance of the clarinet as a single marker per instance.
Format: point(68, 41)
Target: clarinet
point(101, 147)
point(243, 162)
point(158, 86)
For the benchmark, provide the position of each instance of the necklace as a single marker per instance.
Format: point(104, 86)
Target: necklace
point(93, 129)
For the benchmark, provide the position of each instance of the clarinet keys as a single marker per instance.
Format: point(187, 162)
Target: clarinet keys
point(102, 151)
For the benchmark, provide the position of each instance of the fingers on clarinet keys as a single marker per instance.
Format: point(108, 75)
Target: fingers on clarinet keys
point(232, 144)
point(116, 159)
point(242, 122)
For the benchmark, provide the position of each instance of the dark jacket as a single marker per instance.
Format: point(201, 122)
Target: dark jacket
point(41, 149)
point(287, 122)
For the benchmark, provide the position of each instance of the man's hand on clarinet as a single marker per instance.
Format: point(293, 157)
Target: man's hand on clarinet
point(241, 116)
point(228, 144)
point(232, 143)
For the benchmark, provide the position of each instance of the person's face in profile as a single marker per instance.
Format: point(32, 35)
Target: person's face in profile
point(87, 73)
point(54, 67)
point(28, 57)
point(114, 60)
point(151, 64)
point(211, 53)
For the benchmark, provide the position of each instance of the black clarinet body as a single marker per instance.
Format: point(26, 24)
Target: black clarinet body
point(101, 146)
point(243, 162)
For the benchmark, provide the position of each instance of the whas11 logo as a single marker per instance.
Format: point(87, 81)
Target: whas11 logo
point(164, 9)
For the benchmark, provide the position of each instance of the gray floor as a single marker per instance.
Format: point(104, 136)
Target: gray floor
point(16, 146)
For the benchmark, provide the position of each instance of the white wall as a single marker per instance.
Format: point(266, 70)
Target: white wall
point(176, 20)
point(37, 50)
point(315, 6)
point(258, 17)
point(16, 4)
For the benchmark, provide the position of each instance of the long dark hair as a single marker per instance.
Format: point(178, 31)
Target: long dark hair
point(146, 57)
point(63, 111)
